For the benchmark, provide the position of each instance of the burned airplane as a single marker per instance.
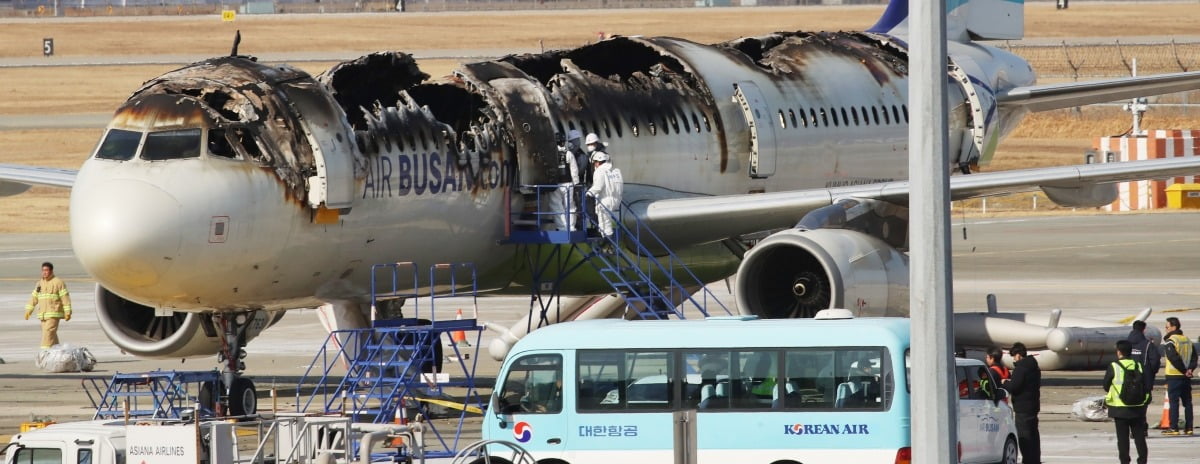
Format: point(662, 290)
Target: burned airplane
point(230, 190)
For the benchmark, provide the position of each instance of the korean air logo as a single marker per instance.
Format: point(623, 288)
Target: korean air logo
point(523, 432)
point(826, 429)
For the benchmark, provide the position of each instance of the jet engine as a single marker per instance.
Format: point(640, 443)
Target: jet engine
point(797, 272)
point(137, 330)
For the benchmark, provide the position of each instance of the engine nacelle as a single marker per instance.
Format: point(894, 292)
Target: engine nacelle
point(795, 273)
point(136, 330)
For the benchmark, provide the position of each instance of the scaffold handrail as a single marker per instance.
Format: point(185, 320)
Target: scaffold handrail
point(638, 237)
point(395, 288)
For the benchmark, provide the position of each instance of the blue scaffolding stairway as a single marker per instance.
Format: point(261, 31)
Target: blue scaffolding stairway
point(627, 261)
point(156, 394)
point(394, 369)
point(634, 261)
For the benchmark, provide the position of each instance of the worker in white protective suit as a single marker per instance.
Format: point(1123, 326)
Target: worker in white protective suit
point(607, 185)
point(561, 200)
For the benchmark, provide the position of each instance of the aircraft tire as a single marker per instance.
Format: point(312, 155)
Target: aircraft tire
point(243, 399)
point(207, 396)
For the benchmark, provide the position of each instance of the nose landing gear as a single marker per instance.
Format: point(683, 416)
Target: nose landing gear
point(240, 397)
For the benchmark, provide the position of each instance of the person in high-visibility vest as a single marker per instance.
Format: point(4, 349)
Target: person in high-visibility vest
point(995, 362)
point(53, 303)
point(1128, 418)
point(1181, 362)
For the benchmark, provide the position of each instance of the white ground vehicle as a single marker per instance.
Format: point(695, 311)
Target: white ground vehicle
point(297, 439)
point(986, 431)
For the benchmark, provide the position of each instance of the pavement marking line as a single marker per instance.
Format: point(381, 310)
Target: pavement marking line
point(1076, 247)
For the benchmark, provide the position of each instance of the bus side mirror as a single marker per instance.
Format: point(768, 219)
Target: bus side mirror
point(496, 409)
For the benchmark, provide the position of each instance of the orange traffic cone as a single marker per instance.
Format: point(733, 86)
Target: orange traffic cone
point(1165, 423)
point(400, 419)
point(459, 337)
point(401, 413)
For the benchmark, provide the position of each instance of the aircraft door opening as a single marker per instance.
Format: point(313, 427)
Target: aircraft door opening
point(532, 128)
point(334, 156)
point(762, 131)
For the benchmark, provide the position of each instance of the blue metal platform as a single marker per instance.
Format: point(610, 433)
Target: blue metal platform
point(397, 368)
point(156, 394)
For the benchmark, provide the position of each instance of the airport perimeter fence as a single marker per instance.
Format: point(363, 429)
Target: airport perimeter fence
point(1068, 62)
point(50, 8)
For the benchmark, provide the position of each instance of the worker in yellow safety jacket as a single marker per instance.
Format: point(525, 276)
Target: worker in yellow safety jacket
point(1127, 408)
point(1181, 366)
point(52, 302)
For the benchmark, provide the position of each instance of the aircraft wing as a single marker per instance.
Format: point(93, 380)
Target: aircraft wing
point(695, 220)
point(1071, 94)
point(16, 178)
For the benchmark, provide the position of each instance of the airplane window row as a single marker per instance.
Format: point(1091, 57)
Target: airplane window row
point(423, 137)
point(681, 123)
point(857, 115)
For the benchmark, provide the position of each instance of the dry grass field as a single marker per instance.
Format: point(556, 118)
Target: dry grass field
point(1054, 138)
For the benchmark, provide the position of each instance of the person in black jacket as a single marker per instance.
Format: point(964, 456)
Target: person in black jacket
point(1128, 418)
point(1146, 353)
point(1025, 389)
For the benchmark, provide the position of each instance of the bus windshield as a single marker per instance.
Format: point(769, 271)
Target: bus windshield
point(533, 385)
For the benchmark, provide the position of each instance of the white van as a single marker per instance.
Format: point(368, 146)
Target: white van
point(986, 430)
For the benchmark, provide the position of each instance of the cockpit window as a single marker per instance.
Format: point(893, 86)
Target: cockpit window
point(119, 144)
point(173, 144)
point(218, 145)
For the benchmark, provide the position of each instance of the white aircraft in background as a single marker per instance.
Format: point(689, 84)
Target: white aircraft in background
point(228, 191)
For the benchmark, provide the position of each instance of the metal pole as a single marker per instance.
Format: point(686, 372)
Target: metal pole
point(934, 403)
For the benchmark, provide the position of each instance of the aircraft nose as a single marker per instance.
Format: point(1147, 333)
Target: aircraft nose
point(125, 232)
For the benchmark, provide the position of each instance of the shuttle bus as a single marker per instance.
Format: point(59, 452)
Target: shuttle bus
point(728, 389)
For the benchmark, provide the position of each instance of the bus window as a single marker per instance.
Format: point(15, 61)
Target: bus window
point(841, 378)
point(712, 389)
point(613, 380)
point(759, 379)
point(708, 379)
point(533, 385)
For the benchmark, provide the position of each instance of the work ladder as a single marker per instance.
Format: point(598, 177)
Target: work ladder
point(394, 370)
point(653, 287)
point(628, 263)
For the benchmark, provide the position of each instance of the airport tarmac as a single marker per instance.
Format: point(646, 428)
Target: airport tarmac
point(1099, 266)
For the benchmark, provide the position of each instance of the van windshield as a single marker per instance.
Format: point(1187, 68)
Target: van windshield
point(38, 456)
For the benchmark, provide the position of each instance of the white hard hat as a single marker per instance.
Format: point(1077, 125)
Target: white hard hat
point(574, 134)
point(591, 138)
point(600, 156)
